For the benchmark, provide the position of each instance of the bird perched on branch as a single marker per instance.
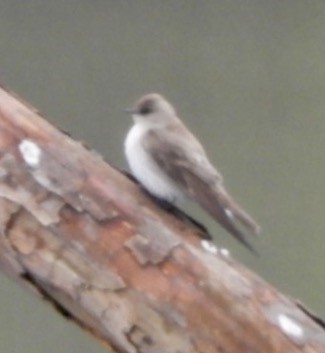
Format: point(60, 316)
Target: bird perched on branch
point(169, 161)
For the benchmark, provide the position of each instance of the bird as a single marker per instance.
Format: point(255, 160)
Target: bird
point(172, 165)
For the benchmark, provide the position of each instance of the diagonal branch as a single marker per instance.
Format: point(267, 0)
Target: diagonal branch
point(88, 240)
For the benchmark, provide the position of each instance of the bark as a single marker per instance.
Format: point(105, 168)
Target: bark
point(91, 242)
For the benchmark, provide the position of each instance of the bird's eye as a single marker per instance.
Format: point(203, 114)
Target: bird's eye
point(146, 108)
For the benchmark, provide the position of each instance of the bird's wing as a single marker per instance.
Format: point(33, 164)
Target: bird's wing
point(183, 159)
point(179, 153)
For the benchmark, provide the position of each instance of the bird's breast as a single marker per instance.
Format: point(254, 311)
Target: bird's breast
point(146, 170)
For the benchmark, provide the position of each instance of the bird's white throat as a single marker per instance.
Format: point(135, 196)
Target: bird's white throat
point(145, 169)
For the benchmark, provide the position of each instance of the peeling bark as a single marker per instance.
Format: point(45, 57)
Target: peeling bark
point(88, 240)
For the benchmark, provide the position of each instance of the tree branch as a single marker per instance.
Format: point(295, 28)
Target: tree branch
point(87, 239)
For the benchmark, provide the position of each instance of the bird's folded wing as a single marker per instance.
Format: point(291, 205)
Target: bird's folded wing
point(183, 159)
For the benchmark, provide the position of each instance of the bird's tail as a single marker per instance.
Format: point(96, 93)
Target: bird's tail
point(228, 213)
point(233, 210)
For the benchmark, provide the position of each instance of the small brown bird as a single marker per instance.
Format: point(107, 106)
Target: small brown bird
point(171, 164)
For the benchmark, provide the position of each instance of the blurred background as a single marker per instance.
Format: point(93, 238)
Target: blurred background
point(247, 76)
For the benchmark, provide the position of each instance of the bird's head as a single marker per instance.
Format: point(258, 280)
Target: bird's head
point(152, 109)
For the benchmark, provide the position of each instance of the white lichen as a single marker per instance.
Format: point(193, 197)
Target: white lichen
point(30, 152)
point(289, 326)
point(224, 252)
point(229, 213)
point(209, 247)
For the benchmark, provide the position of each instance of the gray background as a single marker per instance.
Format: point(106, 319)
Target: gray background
point(247, 76)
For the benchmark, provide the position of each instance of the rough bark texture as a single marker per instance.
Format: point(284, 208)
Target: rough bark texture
point(90, 241)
